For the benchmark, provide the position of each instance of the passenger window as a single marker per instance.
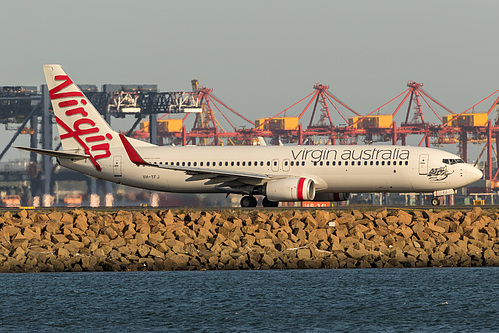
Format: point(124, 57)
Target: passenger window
point(327, 163)
point(377, 162)
point(292, 163)
point(275, 163)
point(183, 163)
point(346, 163)
point(178, 163)
point(244, 163)
point(237, 163)
point(400, 162)
point(334, 163)
point(339, 163)
point(303, 163)
point(195, 163)
point(372, 163)
point(226, 163)
point(207, 163)
point(315, 163)
point(358, 163)
point(285, 163)
point(388, 163)
point(365, 162)
point(232, 163)
point(406, 162)
point(322, 163)
point(268, 163)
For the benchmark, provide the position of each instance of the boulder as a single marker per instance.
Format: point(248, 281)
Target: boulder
point(404, 217)
point(58, 238)
point(436, 228)
point(266, 243)
point(452, 237)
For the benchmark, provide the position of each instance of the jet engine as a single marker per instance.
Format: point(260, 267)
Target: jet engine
point(332, 196)
point(290, 189)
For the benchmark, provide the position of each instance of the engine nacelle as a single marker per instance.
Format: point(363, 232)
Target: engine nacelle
point(332, 196)
point(290, 189)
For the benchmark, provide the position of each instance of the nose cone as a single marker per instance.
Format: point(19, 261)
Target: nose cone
point(473, 174)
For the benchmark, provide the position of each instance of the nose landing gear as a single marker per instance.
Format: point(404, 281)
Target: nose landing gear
point(435, 202)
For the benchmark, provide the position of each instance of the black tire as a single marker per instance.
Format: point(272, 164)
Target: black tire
point(435, 202)
point(267, 203)
point(245, 201)
point(248, 201)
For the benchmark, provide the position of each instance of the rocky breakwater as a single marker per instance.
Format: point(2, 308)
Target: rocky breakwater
point(80, 240)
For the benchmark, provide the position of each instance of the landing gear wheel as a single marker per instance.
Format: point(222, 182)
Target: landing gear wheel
point(248, 201)
point(267, 203)
point(435, 202)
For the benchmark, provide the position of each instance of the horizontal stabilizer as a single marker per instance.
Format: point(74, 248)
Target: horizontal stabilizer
point(55, 153)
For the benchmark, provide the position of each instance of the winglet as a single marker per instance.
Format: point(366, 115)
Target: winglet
point(132, 153)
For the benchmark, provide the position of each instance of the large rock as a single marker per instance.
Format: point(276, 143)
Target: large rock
point(59, 238)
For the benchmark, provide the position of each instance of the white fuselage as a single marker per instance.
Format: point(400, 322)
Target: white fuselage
point(280, 173)
point(333, 168)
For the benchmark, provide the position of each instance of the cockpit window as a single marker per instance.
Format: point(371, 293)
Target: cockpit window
point(452, 160)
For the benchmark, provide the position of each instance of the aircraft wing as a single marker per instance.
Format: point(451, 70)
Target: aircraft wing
point(223, 178)
point(214, 175)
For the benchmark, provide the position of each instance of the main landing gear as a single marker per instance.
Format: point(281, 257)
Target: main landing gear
point(250, 201)
point(435, 202)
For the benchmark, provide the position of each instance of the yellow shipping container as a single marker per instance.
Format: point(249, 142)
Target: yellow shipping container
point(382, 121)
point(282, 123)
point(259, 122)
point(165, 125)
point(471, 119)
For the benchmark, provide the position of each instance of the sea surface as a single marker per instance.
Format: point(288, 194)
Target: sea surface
point(356, 300)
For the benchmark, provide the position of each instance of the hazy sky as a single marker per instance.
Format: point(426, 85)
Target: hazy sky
point(259, 56)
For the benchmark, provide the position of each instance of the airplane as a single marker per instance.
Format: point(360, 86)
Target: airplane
point(280, 173)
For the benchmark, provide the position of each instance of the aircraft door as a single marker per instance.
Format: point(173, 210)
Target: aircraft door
point(285, 164)
point(117, 166)
point(423, 164)
point(275, 165)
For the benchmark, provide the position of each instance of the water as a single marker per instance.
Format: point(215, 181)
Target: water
point(369, 300)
